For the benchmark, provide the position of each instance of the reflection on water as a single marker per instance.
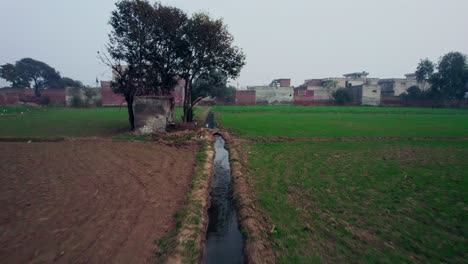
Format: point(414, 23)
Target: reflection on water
point(224, 241)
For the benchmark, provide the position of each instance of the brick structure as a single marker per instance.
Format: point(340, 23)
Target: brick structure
point(56, 96)
point(153, 113)
point(313, 82)
point(109, 98)
point(245, 98)
point(302, 96)
point(281, 83)
point(11, 96)
point(285, 82)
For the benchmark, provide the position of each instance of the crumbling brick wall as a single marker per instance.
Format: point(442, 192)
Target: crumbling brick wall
point(153, 113)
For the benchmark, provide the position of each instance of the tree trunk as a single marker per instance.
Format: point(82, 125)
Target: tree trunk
point(36, 88)
point(188, 112)
point(131, 116)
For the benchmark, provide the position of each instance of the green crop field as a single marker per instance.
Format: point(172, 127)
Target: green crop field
point(62, 122)
point(284, 121)
point(338, 109)
point(22, 122)
point(364, 200)
point(355, 202)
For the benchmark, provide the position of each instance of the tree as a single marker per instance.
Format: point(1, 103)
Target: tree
point(10, 73)
point(167, 47)
point(151, 47)
point(342, 96)
point(424, 70)
point(37, 72)
point(213, 84)
point(451, 79)
point(330, 87)
point(207, 46)
point(67, 82)
point(128, 46)
point(145, 49)
point(27, 71)
point(414, 93)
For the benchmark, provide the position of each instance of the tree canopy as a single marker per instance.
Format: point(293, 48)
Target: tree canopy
point(208, 47)
point(140, 50)
point(152, 46)
point(342, 96)
point(424, 70)
point(27, 72)
point(448, 79)
point(214, 84)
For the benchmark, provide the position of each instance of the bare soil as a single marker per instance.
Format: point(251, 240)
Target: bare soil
point(89, 200)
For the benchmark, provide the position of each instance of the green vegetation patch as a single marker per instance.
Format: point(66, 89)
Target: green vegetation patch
point(63, 122)
point(51, 122)
point(354, 202)
point(7, 110)
point(277, 121)
point(337, 109)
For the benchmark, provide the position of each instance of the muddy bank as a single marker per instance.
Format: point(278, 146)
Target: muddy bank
point(190, 237)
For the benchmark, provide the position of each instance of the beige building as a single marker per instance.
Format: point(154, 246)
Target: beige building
point(323, 88)
point(273, 95)
point(397, 86)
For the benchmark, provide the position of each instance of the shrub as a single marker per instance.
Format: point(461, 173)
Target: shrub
point(45, 100)
point(342, 96)
point(76, 101)
point(98, 102)
point(414, 93)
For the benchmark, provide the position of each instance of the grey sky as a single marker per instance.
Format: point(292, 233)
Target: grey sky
point(300, 39)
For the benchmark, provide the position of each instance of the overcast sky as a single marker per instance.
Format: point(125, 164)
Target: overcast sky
point(298, 39)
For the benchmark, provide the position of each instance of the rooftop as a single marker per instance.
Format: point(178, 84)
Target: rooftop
point(356, 74)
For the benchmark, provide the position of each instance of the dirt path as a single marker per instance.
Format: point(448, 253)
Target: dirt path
point(93, 201)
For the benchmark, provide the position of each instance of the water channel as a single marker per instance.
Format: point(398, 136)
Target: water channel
point(224, 241)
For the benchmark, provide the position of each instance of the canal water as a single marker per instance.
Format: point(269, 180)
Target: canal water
point(224, 241)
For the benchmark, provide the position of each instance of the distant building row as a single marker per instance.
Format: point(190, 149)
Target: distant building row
point(63, 97)
point(364, 90)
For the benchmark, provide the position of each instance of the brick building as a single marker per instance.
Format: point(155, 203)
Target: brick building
point(108, 97)
point(281, 83)
point(12, 96)
point(245, 97)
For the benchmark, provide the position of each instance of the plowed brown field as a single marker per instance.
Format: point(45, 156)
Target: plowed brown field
point(93, 201)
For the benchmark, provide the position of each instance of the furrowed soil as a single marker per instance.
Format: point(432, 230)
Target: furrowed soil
point(89, 200)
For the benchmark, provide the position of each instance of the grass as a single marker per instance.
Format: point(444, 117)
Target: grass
point(358, 201)
point(15, 110)
point(296, 121)
point(51, 122)
point(62, 122)
point(386, 202)
point(337, 109)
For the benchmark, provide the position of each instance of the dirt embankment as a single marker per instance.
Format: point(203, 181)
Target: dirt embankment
point(89, 201)
point(190, 239)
